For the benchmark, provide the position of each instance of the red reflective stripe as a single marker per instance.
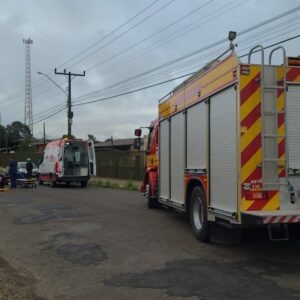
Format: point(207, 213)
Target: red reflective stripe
point(292, 219)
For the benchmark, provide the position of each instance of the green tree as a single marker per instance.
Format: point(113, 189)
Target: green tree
point(25, 145)
point(2, 136)
point(17, 132)
point(66, 136)
point(92, 137)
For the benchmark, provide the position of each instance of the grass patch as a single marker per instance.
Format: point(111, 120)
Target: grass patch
point(111, 184)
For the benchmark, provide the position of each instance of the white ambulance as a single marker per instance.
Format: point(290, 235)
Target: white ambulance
point(66, 161)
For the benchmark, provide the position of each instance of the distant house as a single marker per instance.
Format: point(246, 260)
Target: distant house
point(117, 144)
point(38, 145)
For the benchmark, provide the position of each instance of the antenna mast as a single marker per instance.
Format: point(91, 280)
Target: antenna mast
point(28, 120)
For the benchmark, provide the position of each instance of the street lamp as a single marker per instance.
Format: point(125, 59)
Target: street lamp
point(53, 82)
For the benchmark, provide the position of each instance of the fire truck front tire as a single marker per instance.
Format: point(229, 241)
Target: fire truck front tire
point(198, 215)
point(151, 202)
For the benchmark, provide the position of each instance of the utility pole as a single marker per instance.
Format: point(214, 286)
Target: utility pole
point(44, 134)
point(69, 102)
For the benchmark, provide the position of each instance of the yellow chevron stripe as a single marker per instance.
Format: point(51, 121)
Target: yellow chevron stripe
point(251, 164)
point(280, 102)
point(250, 104)
point(245, 79)
point(246, 203)
point(273, 203)
point(250, 134)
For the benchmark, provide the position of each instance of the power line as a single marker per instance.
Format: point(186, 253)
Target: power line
point(213, 53)
point(110, 33)
point(268, 31)
point(51, 115)
point(195, 52)
point(159, 83)
point(261, 24)
point(153, 34)
point(253, 27)
point(40, 81)
point(123, 33)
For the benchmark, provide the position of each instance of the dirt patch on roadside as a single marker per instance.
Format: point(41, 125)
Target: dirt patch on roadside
point(14, 286)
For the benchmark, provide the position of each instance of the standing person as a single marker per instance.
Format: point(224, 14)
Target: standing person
point(13, 167)
point(29, 167)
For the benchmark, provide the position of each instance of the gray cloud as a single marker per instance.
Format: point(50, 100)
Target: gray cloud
point(61, 29)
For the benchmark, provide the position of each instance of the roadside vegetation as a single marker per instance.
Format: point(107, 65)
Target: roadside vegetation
point(115, 184)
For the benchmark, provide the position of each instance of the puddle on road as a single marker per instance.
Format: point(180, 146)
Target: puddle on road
point(50, 211)
point(209, 279)
point(68, 246)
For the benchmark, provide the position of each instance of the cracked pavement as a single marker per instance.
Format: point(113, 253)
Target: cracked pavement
point(93, 243)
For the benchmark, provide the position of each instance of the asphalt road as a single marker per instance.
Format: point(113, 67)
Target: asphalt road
point(74, 243)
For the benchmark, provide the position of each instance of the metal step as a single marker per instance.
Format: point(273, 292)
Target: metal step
point(273, 159)
point(274, 87)
point(276, 183)
point(274, 112)
point(274, 135)
point(278, 232)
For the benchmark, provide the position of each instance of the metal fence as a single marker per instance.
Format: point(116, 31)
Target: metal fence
point(112, 164)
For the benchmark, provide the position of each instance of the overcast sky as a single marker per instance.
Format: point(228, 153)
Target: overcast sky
point(80, 35)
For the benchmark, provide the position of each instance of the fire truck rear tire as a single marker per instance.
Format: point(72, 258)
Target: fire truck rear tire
point(151, 202)
point(198, 215)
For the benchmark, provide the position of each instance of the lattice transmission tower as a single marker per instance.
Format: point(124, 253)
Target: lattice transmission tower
point(28, 119)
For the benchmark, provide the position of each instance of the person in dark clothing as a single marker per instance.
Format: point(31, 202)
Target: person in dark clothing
point(13, 167)
point(1, 181)
point(29, 167)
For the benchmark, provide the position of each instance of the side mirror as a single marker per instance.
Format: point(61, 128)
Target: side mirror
point(137, 143)
point(138, 132)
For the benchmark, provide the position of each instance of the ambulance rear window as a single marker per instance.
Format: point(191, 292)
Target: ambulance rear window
point(76, 153)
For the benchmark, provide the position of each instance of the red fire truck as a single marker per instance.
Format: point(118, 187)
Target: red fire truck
point(226, 145)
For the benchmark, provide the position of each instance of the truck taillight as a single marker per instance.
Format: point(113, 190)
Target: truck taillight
point(257, 195)
point(57, 167)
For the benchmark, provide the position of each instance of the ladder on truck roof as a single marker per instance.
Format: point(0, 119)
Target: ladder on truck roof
point(270, 86)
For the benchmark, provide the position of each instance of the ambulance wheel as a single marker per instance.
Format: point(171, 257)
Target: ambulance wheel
point(198, 215)
point(52, 182)
point(40, 181)
point(151, 202)
point(83, 184)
